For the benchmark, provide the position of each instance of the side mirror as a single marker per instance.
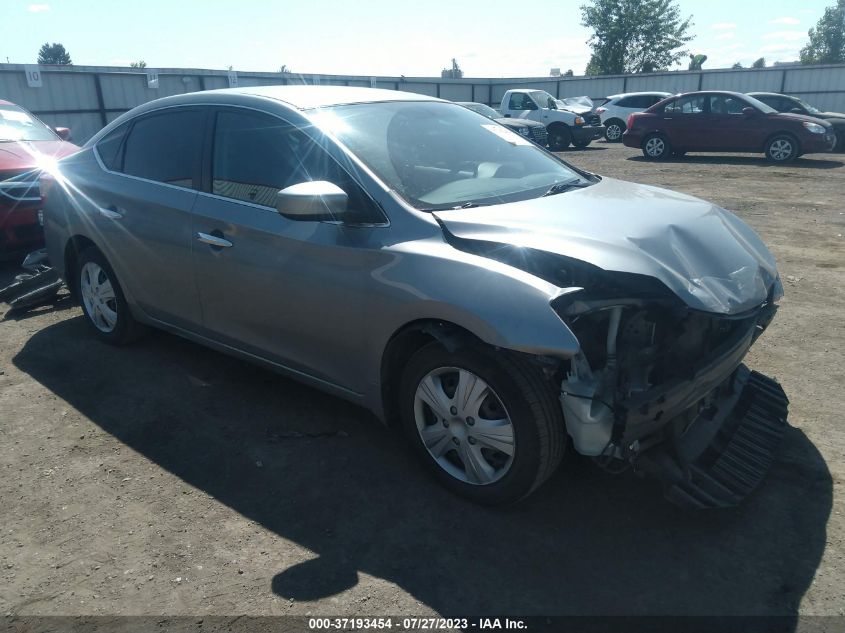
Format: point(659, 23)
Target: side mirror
point(797, 111)
point(315, 201)
point(63, 132)
point(749, 111)
point(552, 105)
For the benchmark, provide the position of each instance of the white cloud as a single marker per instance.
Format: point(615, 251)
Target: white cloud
point(38, 8)
point(727, 35)
point(785, 20)
point(777, 48)
point(786, 36)
point(723, 26)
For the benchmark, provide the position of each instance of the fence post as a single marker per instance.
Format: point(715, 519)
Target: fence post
point(100, 103)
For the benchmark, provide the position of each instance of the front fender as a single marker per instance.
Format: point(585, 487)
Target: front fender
point(501, 305)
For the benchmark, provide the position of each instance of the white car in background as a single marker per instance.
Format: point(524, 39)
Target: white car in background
point(614, 112)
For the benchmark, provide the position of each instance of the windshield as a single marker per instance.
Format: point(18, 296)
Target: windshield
point(483, 110)
point(17, 124)
point(442, 155)
point(759, 105)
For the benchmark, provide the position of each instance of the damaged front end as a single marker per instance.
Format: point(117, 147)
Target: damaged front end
point(662, 387)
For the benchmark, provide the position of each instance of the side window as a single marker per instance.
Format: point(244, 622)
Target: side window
point(654, 99)
point(773, 102)
point(723, 104)
point(166, 147)
point(686, 105)
point(255, 156)
point(787, 105)
point(519, 101)
point(110, 148)
point(627, 102)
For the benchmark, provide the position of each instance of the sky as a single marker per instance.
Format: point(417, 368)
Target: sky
point(489, 38)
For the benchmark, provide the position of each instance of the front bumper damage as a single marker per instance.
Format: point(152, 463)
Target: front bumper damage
point(706, 427)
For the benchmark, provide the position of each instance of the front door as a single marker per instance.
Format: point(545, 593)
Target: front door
point(288, 291)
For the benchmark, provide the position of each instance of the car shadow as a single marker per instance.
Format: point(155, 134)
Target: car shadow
point(338, 483)
point(754, 161)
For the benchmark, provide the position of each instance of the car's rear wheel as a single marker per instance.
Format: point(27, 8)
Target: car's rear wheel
point(781, 149)
point(487, 424)
point(656, 147)
point(613, 130)
point(559, 137)
point(102, 299)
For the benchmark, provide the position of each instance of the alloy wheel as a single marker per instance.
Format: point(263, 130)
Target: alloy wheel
point(655, 147)
point(613, 132)
point(781, 149)
point(464, 425)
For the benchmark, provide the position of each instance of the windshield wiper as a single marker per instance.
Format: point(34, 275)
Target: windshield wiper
point(560, 187)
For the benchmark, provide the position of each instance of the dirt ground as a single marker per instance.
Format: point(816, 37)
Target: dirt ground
point(164, 478)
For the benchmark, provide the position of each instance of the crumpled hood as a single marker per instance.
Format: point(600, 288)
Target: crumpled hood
point(707, 256)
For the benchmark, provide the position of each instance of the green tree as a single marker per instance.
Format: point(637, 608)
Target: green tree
point(760, 63)
point(53, 54)
point(140, 64)
point(827, 39)
point(737, 66)
point(631, 36)
point(569, 73)
point(454, 72)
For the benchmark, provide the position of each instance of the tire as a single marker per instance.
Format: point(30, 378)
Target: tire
point(559, 137)
point(503, 387)
point(580, 144)
point(102, 300)
point(613, 130)
point(656, 147)
point(781, 148)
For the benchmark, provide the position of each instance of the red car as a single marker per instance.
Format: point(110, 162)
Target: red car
point(725, 122)
point(26, 147)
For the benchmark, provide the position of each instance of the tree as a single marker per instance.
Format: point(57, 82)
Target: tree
point(630, 36)
point(760, 63)
point(827, 39)
point(569, 73)
point(140, 64)
point(454, 72)
point(737, 66)
point(54, 54)
point(696, 61)
point(284, 69)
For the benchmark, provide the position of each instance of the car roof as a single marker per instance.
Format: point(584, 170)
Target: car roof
point(309, 97)
point(637, 94)
point(768, 94)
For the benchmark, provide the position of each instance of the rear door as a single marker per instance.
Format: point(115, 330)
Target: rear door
point(684, 122)
point(288, 291)
point(143, 203)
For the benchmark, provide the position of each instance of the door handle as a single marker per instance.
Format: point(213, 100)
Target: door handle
point(112, 212)
point(214, 240)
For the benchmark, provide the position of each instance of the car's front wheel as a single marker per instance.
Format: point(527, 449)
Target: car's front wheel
point(559, 137)
point(781, 149)
point(487, 424)
point(613, 130)
point(656, 147)
point(102, 299)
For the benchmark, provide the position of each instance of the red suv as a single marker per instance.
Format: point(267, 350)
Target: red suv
point(725, 122)
point(27, 146)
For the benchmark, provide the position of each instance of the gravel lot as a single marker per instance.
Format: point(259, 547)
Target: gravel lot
point(165, 478)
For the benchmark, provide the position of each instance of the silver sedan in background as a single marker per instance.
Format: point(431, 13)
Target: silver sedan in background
point(416, 258)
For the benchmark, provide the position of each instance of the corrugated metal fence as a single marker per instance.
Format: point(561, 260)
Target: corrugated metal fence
point(85, 98)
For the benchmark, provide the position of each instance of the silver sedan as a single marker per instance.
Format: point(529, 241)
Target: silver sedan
point(427, 263)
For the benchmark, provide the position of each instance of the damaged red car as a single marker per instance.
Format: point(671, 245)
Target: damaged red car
point(27, 146)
